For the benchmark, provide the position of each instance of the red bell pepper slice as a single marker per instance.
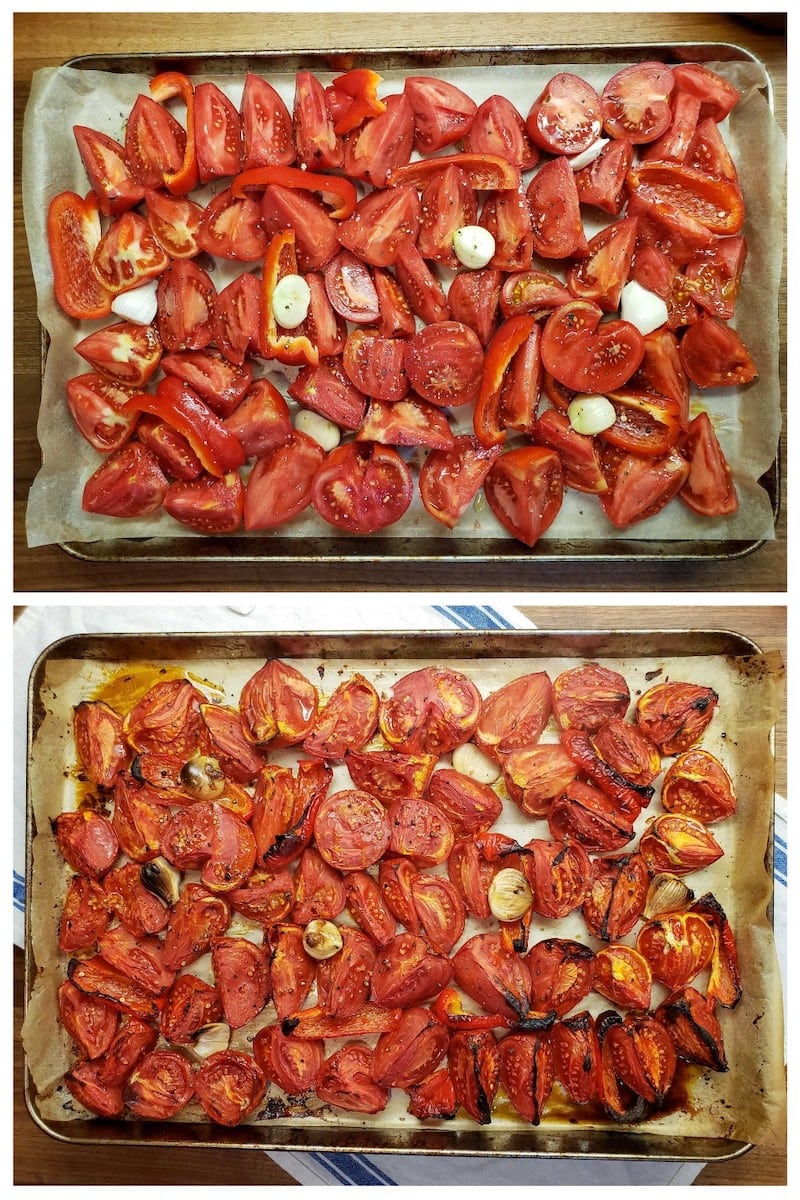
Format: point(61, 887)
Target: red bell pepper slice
point(73, 234)
point(353, 97)
point(293, 348)
point(449, 1010)
point(501, 349)
point(485, 172)
point(163, 87)
point(218, 449)
point(336, 191)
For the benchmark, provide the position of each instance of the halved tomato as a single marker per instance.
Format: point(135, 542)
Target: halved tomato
point(525, 490)
point(677, 947)
point(430, 711)
point(85, 916)
point(362, 487)
point(562, 974)
point(278, 704)
point(407, 972)
point(91, 1023)
point(678, 845)
point(160, 1086)
point(294, 1063)
point(346, 1080)
point(407, 1054)
point(576, 1056)
point(498, 128)
point(450, 479)
point(587, 696)
point(352, 830)
point(566, 117)
point(697, 785)
point(535, 775)
point(492, 975)
point(197, 919)
point(587, 355)
point(515, 714)
point(635, 102)
point(229, 1085)
point(242, 978)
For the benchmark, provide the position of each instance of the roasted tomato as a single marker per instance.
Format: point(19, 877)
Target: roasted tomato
point(588, 816)
point(724, 982)
point(535, 775)
point(90, 1022)
point(160, 1086)
point(408, 972)
point(474, 1061)
point(641, 1054)
point(430, 711)
point(345, 1080)
point(367, 907)
point(189, 1005)
point(585, 697)
point(419, 831)
point(319, 891)
point(558, 873)
point(562, 974)
point(677, 845)
point(622, 974)
point(352, 830)
point(343, 981)
point(292, 969)
point(493, 976)
point(677, 946)
point(242, 978)
point(198, 917)
point(527, 1072)
point(166, 718)
point(697, 785)
point(95, 977)
point(278, 705)
point(576, 1057)
point(471, 806)
point(628, 751)
point(87, 841)
point(140, 958)
point(407, 1054)
point(616, 895)
point(690, 1019)
point(390, 774)
point(440, 909)
point(630, 798)
point(230, 1085)
point(294, 1063)
point(266, 896)
point(434, 1099)
point(514, 715)
point(127, 895)
point(675, 715)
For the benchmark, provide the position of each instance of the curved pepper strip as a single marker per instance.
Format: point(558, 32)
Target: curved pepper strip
point(512, 334)
point(217, 448)
point(353, 97)
point(336, 191)
point(163, 87)
point(449, 1010)
point(485, 172)
point(292, 348)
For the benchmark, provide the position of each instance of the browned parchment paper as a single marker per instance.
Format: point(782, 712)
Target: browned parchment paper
point(747, 421)
point(747, 1103)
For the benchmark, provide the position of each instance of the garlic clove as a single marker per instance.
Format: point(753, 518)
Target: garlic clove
point(469, 759)
point(510, 895)
point(291, 300)
point(666, 894)
point(162, 879)
point(325, 433)
point(474, 246)
point(322, 939)
point(210, 1039)
point(591, 414)
point(203, 777)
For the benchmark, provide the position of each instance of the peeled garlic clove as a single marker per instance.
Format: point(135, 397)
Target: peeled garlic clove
point(322, 939)
point(291, 300)
point(641, 308)
point(588, 155)
point(667, 893)
point(474, 246)
point(324, 432)
point(203, 777)
point(139, 305)
point(210, 1039)
point(591, 414)
point(510, 895)
point(469, 760)
point(162, 879)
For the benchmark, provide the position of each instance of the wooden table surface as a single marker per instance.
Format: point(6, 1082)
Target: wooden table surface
point(40, 1159)
point(51, 38)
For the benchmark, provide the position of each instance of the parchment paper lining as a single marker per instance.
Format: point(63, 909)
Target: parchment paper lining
point(746, 1104)
point(748, 421)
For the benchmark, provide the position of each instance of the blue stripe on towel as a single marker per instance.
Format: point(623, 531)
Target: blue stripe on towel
point(473, 616)
point(779, 860)
point(19, 892)
point(353, 1169)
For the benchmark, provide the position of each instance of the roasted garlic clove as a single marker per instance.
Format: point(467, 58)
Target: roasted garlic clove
point(510, 895)
point(667, 893)
point(203, 777)
point(471, 761)
point(322, 939)
point(162, 879)
point(210, 1039)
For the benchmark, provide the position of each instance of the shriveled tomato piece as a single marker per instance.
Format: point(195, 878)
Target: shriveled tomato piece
point(140, 958)
point(690, 1019)
point(576, 1057)
point(87, 841)
point(616, 895)
point(434, 1099)
point(344, 980)
point(535, 775)
point(440, 909)
point(407, 1054)
point(294, 1063)
point(390, 774)
point(198, 918)
point(641, 1054)
point(493, 976)
point(230, 1085)
point(677, 946)
point(675, 715)
point(367, 907)
point(139, 909)
point(346, 1081)
point(515, 714)
point(622, 974)
point(90, 1022)
point(166, 718)
point(561, 972)
point(408, 972)
point(95, 977)
point(724, 979)
point(352, 830)
point(189, 1004)
point(472, 806)
point(628, 797)
point(527, 1072)
point(624, 747)
point(267, 896)
point(558, 873)
point(430, 711)
point(586, 815)
point(84, 915)
point(474, 1061)
point(278, 704)
point(586, 696)
point(292, 970)
point(697, 785)
point(346, 721)
point(420, 831)
point(99, 740)
point(160, 1086)
point(242, 978)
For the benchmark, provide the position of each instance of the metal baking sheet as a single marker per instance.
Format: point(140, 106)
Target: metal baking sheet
point(505, 654)
point(325, 545)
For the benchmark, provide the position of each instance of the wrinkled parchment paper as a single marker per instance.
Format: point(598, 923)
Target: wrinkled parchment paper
point(746, 1103)
point(747, 421)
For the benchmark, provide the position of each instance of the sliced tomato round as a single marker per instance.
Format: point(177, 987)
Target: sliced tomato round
point(566, 117)
point(444, 363)
point(525, 490)
point(635, 102)
point(362, 487)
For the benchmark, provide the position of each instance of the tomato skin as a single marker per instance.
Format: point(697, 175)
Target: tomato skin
point(576, 1057)
point(434, 1099)
point(84, 915)
point(160, 1086)
point(229, 1085)
point(352, 830)
point(430, 711)
point(449, 479)
point(675, 715)
point(280, 485)
point(419, 831)
point(474, 1062)
point(278, 705)
point(527, 1073)
point(362, 487)
point(96, 404)
point(100, 741)
point(407, 972)
point(515, 714)
point(293, 1063)
point(565, 118)
point(525, 490)
point(697, 785)
point(138, 909)
point(390, 774)
point(493, 976)
point(635, 102)
point(345, 1081)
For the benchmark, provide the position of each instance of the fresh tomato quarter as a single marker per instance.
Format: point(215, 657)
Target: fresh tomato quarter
point(362, 487)
point(525, 490)
point(73, 235)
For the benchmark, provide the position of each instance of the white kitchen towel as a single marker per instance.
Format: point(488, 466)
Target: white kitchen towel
point(39, 627)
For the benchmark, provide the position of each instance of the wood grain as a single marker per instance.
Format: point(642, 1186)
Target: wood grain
point(49, 39)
